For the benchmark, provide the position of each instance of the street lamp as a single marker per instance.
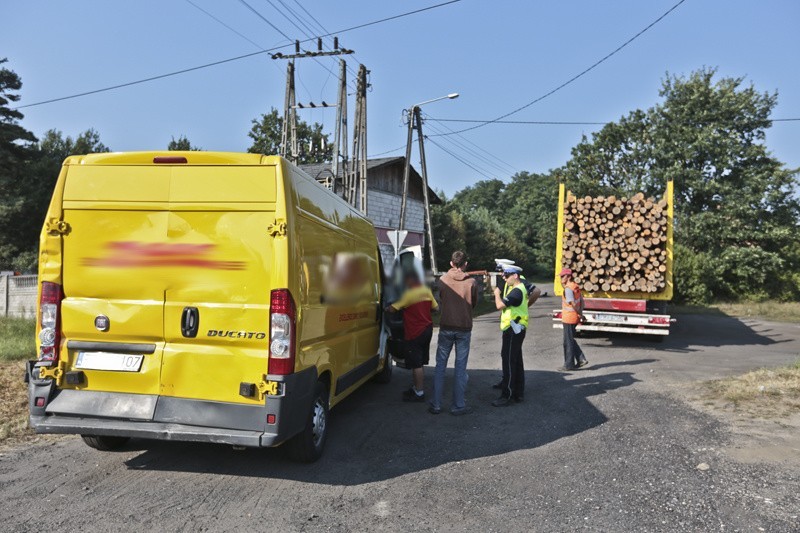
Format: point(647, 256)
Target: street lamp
point(414, 117)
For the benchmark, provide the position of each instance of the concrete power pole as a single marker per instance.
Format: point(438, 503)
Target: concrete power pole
point(340, 133)
point(358, 176)
point(424, 166)
point(289, 129)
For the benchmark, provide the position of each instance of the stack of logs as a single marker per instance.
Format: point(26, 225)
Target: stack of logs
point(616, 244)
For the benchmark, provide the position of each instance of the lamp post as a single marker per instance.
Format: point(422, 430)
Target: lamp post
point(414, 117)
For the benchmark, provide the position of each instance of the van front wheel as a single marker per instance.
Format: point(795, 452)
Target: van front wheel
point(307, 445)
point(105, 444)
point(385, 375)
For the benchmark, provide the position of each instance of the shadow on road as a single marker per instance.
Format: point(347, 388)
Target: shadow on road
point(695, 333)
point(374, 436)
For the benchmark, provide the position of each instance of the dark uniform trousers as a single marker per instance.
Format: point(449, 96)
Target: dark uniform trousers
point(513, 384)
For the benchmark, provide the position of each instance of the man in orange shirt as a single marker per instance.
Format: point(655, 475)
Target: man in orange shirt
point(417, 302)
point(571, 316)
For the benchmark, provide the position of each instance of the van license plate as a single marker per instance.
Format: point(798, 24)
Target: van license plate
point(609, 318)
point(119, 362)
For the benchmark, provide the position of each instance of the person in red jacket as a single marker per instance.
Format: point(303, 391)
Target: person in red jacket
point(417, 302)
point(571, 316)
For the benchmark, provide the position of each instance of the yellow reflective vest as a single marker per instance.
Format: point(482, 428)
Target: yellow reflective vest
point(510, 314)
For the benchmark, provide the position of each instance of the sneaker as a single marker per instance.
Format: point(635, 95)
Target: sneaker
point(502, 401)
point(463, 411)
point(583, 363)
point(434, 410)
point(565, 369)
point(410, 395)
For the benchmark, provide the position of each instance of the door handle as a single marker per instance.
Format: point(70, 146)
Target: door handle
point(190, 322)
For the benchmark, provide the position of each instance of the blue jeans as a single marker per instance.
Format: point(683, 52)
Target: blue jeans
point(447, 338)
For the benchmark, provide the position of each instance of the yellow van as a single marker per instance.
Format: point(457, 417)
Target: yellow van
point(201, 296)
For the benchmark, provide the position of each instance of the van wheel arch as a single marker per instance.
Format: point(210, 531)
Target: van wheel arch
point(308, 445)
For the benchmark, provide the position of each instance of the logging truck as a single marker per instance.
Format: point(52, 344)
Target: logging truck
point(620, 250)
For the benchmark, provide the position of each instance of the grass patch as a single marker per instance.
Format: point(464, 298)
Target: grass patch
point(17, 338)
point(769, 310)
point(13, 400)
point(765, 392)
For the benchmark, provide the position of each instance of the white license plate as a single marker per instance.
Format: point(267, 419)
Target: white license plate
point(609, 318)
point(119, 362)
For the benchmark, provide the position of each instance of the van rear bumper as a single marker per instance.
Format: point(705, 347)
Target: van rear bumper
point(149, 430)
point(165, 418)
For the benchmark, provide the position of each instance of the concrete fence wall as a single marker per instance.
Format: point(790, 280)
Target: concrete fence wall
point(18, 296)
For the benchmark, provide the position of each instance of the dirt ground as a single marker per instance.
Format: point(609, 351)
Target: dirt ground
point(629, 444)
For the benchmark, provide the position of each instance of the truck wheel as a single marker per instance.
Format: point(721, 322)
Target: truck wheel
point(105, 444)
point(385, 375)
point(307, 445)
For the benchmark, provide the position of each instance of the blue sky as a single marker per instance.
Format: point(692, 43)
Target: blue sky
point(497, 55)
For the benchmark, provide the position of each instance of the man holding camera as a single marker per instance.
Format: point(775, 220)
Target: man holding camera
point(513, 304)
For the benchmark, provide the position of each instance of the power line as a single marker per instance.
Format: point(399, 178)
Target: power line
point(401, 147)
point(577, 76)
point(236, 58)
point(246, 38)
point(469, 155)
point(548, 122)
point(553, 122)
point(262, 17)
point(454, 156)
point(510, 169)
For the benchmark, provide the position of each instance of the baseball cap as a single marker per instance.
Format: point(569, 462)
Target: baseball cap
point(565, 272)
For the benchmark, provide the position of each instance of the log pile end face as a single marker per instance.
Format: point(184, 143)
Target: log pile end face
point(616, 244)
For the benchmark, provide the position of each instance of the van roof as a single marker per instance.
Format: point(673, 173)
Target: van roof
point(192, 158)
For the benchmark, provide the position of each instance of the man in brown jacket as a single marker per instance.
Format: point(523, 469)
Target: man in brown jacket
point(458, 293)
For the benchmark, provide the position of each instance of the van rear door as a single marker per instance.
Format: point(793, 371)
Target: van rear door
point(113, 310)
point(167, 274)
point(216, 315)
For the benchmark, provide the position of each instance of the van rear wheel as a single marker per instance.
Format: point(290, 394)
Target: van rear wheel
point(307, 446)
point(104, 443)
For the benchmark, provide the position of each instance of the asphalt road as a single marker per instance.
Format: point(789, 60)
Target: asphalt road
point(611, 448)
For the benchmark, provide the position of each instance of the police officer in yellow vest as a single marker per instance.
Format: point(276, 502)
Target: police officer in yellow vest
point(513, 304)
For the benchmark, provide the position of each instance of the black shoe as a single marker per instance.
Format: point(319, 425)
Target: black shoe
point(565, 369)
point(498, 385)
point(411, 396)
point(518, 399)
point(583, 363)
point(502, 401)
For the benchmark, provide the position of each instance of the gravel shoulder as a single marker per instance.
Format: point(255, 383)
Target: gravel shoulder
point(620, 446)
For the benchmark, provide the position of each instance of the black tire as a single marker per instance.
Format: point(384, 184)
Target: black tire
point(307, 446)
point(105, 444)
point(385, 375)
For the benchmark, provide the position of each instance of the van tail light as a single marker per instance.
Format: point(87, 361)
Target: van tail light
point(661, 320)
point(282, 322)
point(557, 314)
point(50, 321)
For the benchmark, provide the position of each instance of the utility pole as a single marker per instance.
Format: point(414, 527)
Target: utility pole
point(358, 180)
point(424, 166)
point(401, 224)
point(289, 127)
point(289, 144)
point(340, 133)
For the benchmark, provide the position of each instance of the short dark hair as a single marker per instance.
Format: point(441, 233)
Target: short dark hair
point(459, 258)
